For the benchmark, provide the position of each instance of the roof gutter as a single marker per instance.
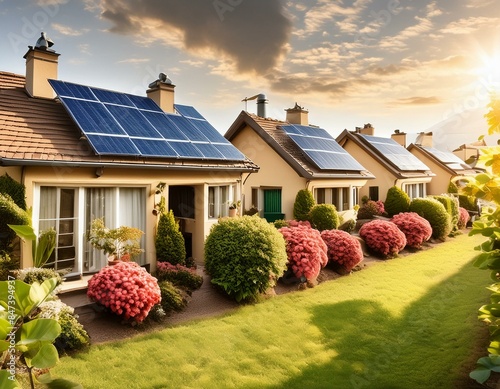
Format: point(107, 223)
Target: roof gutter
point(116, 165)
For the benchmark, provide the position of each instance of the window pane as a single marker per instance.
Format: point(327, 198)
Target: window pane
point(181, 201)
point(211, 202)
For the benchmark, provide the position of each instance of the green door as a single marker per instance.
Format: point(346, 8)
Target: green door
point(272, 205)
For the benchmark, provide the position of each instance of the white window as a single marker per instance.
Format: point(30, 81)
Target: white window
point(415, 190)
point(219, 199)
point(336, 196)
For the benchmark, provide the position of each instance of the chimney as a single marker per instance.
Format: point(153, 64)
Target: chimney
point(424, 139)
point(399, 137)
point(261, 105)
point(297, 115)
point(366, 130)
point(161, 92)
point(41, 65)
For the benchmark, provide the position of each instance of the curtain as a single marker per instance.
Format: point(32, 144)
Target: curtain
point(132, 213)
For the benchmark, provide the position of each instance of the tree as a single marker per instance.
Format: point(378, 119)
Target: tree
point(169, 242)
point(304, 201)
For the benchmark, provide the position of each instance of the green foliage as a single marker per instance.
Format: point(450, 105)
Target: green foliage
point(324, 217)
point(7, 265)
point(304, 201)
point(397, 201)
point(10, 213)
point(169, 242)
point(172, 299)
point(435, 213)
point(14, 189)
point(279, 223)
point(43, 247)
point(452, 187)
point(348, 225)
point(451, 205)
point(245, 256)
point(34, 336)
point(181, 276)
point(38, 274)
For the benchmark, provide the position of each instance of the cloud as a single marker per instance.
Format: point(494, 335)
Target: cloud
point(417, 100)
point(469, 25)
point(68, 31)
point(134, 60)
point(252, 34)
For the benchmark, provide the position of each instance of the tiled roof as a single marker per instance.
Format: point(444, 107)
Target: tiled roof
point(275, 137)
point(38, 131)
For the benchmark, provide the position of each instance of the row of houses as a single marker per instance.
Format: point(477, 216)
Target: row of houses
point(84, 152)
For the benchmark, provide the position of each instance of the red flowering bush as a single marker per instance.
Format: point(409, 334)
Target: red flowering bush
point(126, 289)
point(306, 251)
point(383, 238)
point(343, 249)
point(416, 229)
point(463, 218)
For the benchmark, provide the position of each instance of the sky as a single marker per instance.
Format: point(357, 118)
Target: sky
point(409, 65)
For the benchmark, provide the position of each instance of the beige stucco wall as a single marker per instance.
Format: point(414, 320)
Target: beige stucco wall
point(439, 183)
point(146, 178)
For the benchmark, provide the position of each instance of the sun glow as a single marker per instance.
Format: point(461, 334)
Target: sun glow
point(488, 72)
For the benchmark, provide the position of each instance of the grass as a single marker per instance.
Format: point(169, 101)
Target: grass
point(409, 322)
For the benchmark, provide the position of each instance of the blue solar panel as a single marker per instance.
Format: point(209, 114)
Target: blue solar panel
point(395, 153)
point(133, 121)
point(321, 149)
point(92, 117)
point(123, 124)
point(188, 111)
point(112, 145)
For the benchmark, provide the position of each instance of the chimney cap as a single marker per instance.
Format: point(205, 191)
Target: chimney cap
point(163, 79)
point(296, 108)
point(43, 43)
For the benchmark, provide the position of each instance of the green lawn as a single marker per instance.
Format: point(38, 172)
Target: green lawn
point(409, 322)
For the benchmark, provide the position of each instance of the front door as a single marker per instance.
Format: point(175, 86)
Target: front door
point(272, 205)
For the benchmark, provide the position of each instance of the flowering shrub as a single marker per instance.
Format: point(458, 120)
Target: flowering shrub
point(416, 229)
point(383, 238)
point(126, 289)
point(343, 249)
point(306, 251)
point(370, 209)
point(463, 218)
point(179, 275)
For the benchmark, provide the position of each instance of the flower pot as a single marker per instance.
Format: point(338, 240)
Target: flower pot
point(232, 212)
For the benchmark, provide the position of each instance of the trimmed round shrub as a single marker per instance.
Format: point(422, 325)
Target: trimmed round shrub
point(383, 238)
point(244, 256)
point(343, 250)
point(10, 213)
point(435, 213)
point(280, 223)
point(463, 218)
point(126, 288)
point(370, 209)
point(169, 242)
point(451, 205)
point(417, 230)
point(306, 251)
point(397, 201)
point(172, 298)
point(304, 201)
point(15, 189)
point(181, 276)
point(73, 336)
point(324, 217)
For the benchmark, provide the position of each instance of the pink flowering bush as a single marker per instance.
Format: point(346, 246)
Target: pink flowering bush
point(416, 229)
point(180, 275)
point(463, 218)
point(370, 209)
point(383, 238)
point(306, 251)
point(343, 249)
point(126, 289)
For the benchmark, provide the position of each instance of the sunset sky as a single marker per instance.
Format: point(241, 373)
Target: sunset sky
point(397, 64)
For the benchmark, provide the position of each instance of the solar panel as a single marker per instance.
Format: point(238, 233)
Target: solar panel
point(122, 124)
point(395, 153)
point(447, 158)
point(321, 149)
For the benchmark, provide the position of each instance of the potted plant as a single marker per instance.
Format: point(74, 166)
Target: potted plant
point(233, 208)
point(119, 244)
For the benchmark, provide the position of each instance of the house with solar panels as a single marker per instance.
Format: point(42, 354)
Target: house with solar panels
point(293, 155)
point(390, 162)
point(444, 164)
point(83, 152)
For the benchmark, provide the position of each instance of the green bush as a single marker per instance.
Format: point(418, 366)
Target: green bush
point(245, 256)
point(10, 213)
point(181, 276)
point(169, 242)
point(324, 217)
point(7, 265)
point(435, 213)
point(451, 205)
point(348, 226)
point(397, 201)
point(304, 201)
point(172, 299)
point(14, 189)
point(280, 223)
point(73, 336)
point(38, 274)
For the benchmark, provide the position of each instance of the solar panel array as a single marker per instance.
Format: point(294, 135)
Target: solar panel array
point(124, 124)
point(449, 159)
point(321, 149)
point(395, 153)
